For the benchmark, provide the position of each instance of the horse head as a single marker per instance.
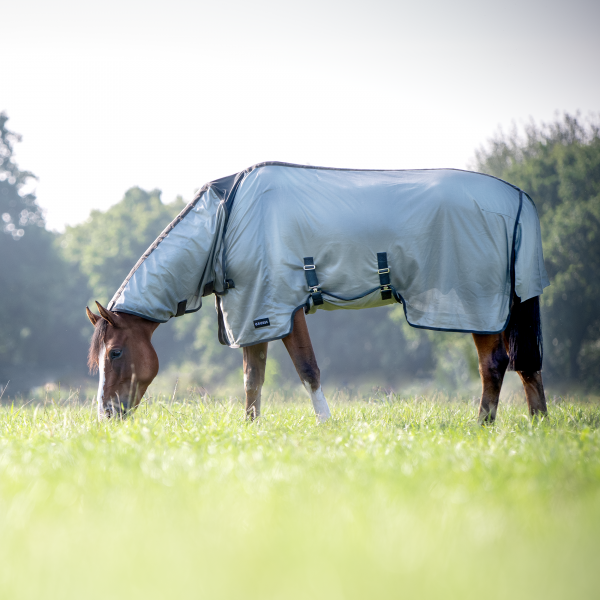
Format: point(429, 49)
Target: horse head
point(122, 352)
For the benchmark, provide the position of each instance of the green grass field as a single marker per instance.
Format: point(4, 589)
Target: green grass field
point(394, 497)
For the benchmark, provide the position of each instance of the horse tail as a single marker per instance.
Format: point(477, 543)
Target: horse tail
point(524, 335)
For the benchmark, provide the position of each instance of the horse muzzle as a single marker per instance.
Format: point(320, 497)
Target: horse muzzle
point(115, 408)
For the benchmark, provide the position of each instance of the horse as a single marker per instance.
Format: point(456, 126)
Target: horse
point(462, 253)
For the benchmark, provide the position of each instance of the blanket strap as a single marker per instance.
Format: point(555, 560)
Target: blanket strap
point(384, 276)
point(311, 279)
point(181, 306)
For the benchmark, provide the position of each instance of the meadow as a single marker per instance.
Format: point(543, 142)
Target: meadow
point(394, 497)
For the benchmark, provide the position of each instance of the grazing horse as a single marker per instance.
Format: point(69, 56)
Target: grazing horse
point(460, 251)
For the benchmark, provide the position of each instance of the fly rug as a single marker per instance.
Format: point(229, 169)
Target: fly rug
point(460, 251)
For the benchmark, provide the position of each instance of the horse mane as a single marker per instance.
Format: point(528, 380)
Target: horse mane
point(97, 341)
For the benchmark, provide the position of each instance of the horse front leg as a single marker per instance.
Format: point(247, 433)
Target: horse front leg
point(255, 361)
point(301, 352)
point(493, 362)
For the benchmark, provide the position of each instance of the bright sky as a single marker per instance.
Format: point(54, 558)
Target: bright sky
point(173, 94)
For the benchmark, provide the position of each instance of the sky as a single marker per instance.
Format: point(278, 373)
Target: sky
point(170, 95)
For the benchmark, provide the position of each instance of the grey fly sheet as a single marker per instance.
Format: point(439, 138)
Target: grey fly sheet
point(452, 246)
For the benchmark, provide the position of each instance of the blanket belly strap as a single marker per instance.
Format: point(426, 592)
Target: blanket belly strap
point(181, 306)
point(384, 276)
point(311, 280)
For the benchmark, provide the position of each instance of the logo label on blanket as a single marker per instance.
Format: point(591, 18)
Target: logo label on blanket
point(261, 323)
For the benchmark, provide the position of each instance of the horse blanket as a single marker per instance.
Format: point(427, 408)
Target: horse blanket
point(451, 246)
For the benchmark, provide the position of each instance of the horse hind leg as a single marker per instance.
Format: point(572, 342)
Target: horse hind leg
point(493, 361)
point(534, 392)
point(255, 361)
point(533, 386)
point(523, 342)
point(301, 352)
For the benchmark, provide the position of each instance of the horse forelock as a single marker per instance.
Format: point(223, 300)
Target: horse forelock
point(97, 341)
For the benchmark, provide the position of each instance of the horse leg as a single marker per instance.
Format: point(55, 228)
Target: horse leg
point(493, 361)
point(255, 361)
point(301, 352)
point(534, 392)
point(523, 342)
point(534, 388)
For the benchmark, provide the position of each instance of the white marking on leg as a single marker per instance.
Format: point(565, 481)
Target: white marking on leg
point(101, 358)
point(319, 402)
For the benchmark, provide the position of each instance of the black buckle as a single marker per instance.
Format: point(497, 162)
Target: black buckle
point(310, 270)
point(384, 276)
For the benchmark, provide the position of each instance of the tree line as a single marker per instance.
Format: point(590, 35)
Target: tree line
point(47, 279)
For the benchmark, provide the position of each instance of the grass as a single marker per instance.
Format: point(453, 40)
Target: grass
point(392, 498)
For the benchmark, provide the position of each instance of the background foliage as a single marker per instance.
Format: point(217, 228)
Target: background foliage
point(558, 164)
point(46, 279)
point(40, 293)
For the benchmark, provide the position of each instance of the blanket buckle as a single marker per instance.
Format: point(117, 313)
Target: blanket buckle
point(310, 270)
point(383, 270)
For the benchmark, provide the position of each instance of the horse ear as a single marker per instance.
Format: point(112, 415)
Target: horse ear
point(91, 316)
point(106, 314)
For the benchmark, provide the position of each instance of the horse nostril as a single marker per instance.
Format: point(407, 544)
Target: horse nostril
point(115, 411)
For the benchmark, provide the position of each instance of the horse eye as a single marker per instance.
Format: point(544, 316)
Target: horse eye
point(115, 354)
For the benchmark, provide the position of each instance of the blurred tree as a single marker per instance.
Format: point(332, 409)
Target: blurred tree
point(108, 244)
point(39, 292)
point(18, 209)
point(558, 164)
point(449, 358)
point(359, 347)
